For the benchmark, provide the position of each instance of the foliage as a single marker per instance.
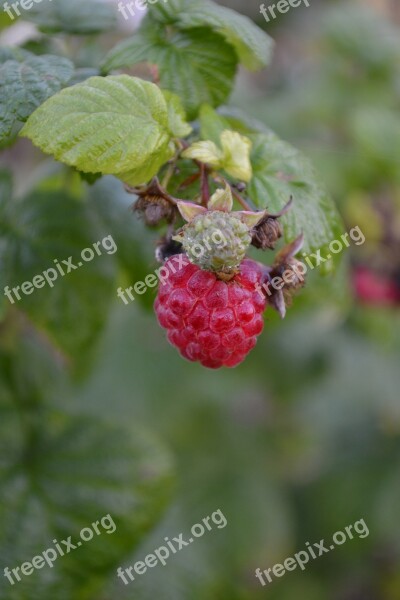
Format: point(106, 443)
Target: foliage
point(86, 390)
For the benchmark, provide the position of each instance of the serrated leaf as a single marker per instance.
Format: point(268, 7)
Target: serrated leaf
point(197, 65)
point(48, 226)
point(73, 16)
point(25, 85)
point(61, 474)
point(253, 46)
point(280, 172)
point(113, 125)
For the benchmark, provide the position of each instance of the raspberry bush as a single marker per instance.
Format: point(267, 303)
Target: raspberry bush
point(212, 182)
point(133, 134)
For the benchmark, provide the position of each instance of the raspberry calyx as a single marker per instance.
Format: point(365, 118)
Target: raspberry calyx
point(216, 239)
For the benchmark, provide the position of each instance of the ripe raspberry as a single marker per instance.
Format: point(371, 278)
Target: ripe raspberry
point(209, 320)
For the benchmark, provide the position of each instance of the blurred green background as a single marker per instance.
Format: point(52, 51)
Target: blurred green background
point(298, 442)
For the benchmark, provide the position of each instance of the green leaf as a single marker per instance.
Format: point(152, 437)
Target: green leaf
point(61, 474)
point(74, 16)
point(241, 121)
point(176, 116)
point(167, 12)
point(279, 172)
point(252, 45)
point(25, 85)
point(232, 155)
point(212, 124)
point(89, 178)
point(205, 152)
point(36, 231)
point(197, 65)
point(113, 125)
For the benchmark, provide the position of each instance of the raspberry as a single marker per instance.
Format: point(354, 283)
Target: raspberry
point(211, 321)
point(375, 289)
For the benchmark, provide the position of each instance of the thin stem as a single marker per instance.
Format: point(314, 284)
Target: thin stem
point(205, 185)
point(170, 171)
point(191, 179)
point(240, 199)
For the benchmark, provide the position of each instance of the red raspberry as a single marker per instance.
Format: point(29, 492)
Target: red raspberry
point(209, 320)
point(375, 289)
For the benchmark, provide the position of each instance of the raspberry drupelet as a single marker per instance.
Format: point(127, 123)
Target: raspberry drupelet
point(211, 321)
